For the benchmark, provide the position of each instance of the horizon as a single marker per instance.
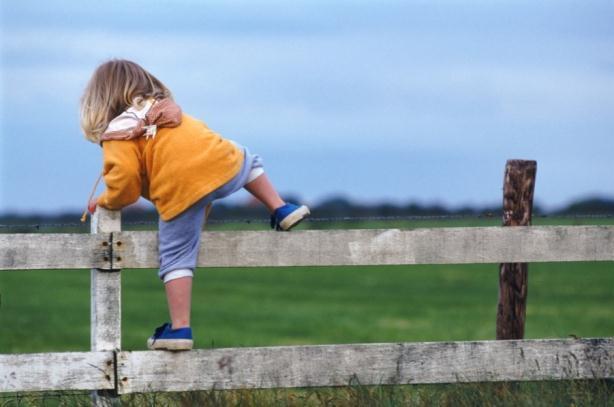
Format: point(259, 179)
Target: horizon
point(145, 206)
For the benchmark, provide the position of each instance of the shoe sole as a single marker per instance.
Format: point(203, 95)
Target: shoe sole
point(170, 344)
point(294, 218)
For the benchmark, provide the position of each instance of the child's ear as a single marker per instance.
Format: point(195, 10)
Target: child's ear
point(138, 102)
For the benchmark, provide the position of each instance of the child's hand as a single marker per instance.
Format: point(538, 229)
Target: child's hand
point(91, 206)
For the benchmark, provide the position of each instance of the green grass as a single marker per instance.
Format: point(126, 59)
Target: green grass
point(567, 393)
point(424, 222)
point(49, 310)
point(45, 311)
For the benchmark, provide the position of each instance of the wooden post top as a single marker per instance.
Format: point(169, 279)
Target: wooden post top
point(105, 221)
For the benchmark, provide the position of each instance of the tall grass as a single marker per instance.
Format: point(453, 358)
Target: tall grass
point(560, 393)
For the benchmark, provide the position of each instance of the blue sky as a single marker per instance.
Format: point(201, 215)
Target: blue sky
point(372, 100)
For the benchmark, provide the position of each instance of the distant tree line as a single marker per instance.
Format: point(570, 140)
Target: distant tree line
point(334, 207)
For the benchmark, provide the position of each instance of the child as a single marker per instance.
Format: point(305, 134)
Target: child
point(152, 149)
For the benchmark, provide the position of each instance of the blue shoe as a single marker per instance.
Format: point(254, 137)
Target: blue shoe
point(288, 216)
point(167, 338)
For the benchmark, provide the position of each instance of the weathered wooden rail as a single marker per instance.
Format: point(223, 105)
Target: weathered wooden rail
point(309, 366)
point(316, 247)
point(108, 368)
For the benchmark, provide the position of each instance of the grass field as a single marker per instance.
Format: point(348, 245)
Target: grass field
point(43, 311)
point(49, 310)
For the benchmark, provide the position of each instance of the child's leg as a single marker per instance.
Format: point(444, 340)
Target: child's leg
point(179, 297)
point(265, 192)
point(179, 242)
point(283, 216)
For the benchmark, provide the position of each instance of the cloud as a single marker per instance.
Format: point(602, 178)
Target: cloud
point(439, 84)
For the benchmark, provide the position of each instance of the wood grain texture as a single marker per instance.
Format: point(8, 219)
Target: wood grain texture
point(518, 189)
point(318, 248)
point(367, 364)
point(56, 371)
point(107, 250)
point(105, 289)
point(380, 247)
point(105, 300)
point(33, 251)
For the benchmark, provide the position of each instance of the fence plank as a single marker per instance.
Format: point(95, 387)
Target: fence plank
point(29, 251)
point(390, 246)
point(368, 364)
point(320, 248)
point(56, 371)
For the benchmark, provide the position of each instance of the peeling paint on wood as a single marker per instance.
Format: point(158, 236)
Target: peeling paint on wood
point(105, 293)
point(381, 247)
point(318, 247)
point(57, 371)
point(368, 364)
point(311, 366)
point(33, 251)
point(107, 249)
point(105, 290)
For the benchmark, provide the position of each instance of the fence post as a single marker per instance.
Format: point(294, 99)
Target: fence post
point(518, 187)
point(105, 300)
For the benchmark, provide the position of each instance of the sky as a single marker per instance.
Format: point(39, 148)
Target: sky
point(374, 101)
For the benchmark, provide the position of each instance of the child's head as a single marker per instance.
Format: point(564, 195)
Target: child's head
point(115, 86)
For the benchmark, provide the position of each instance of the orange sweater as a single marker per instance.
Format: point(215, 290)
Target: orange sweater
point(173, 170)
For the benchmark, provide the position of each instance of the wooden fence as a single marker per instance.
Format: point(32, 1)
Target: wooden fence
point(111, 371)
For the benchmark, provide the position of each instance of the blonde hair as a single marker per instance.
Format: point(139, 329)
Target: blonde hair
point(114, 87)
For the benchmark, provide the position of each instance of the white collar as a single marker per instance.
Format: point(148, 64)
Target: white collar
point(129, 118)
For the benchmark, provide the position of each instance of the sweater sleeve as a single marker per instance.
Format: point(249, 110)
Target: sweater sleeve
point(122, 176)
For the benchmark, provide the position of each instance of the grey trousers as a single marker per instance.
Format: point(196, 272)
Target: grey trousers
point(179, 238)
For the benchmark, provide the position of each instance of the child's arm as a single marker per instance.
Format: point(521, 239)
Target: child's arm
point(122, 174)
